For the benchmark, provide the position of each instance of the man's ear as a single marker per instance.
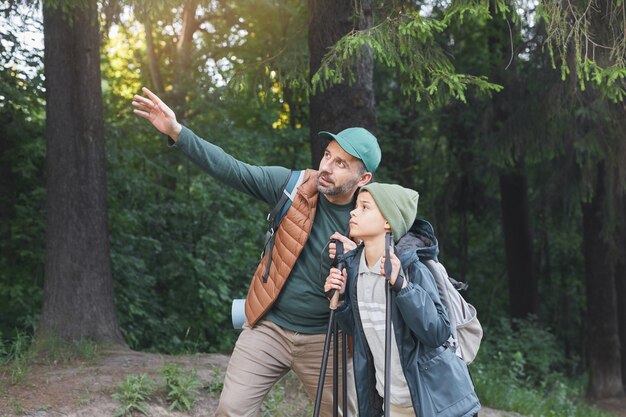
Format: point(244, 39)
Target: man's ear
point(365, 179)
point(387, 226)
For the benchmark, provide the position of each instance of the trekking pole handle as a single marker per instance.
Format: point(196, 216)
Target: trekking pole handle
point(334, 301)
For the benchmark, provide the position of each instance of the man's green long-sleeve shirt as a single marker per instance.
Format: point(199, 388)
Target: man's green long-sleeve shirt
point(302, 305)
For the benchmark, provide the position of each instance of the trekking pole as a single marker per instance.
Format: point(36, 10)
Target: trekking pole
point(332, 328)
point(344, 372)
point(388, 269)
point(335, 365)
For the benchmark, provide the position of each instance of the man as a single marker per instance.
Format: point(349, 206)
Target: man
point(286, 310)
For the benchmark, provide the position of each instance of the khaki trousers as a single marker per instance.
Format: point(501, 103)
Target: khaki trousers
point(263, 355)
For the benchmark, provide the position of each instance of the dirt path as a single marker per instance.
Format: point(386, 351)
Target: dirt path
point(84, 390)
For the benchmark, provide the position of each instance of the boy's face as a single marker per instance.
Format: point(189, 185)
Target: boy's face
point(366, 221)
point(340, 173)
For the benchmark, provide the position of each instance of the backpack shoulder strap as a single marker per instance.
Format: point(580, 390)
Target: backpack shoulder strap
point(287, 194)
point(275, 216)
point(443, 286)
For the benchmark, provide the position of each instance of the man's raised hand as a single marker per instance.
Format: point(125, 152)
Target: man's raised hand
point(157, 112)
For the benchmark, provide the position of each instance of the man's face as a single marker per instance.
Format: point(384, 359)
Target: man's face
point(339, 172)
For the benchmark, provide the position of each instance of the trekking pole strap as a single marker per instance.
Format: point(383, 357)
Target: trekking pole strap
point(388, 268)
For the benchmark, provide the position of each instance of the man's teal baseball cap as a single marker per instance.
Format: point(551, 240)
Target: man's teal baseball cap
point(360, 143)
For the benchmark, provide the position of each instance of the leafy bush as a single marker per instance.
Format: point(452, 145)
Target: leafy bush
point(182, 388)
point(216, 385)
point(15, 353)
point(287, 398)
point(520, 367)
point(178, 258)
point(524, 350)
point(134, 393)
point(53, 350)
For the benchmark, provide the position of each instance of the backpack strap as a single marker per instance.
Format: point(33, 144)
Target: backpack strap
point(275, 217)
point(442, 281)
point(460, 286)
point(288, 193)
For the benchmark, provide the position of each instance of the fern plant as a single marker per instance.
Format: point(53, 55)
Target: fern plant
point(182, 388)
point(134, 393)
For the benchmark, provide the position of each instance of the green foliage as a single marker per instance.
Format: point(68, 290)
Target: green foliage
point(182, 387)
point(18, 354)
point(271, 56)
point(22, 193)
point(53, 350)
point(525, 351)
point(15, 357)
point(182, 245)
point(287, 398)
point(527, 364)
point(18, 409)
point(587, 39)
point(407, 42)
point(11, 350)
point(166, 235)
point(216, 385)
point(68, 7)
point(133, 394)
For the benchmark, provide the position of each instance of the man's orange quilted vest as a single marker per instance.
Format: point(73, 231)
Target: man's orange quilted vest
point(291, 237)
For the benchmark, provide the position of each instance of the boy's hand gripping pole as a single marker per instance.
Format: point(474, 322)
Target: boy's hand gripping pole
point(333, 329)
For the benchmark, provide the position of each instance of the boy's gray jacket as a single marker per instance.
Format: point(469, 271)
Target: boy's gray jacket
point(438, 380)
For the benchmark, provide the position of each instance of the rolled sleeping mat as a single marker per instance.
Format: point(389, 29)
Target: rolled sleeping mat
point(238, 312)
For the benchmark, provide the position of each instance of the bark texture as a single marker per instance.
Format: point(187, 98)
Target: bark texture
point(78, 290)
point(342, 105)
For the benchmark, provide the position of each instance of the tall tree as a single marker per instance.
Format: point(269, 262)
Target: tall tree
point(344, 104)
point(586, 41)
point(514, 203)
point(78, 289)
point(605, 378)
point(598, 142)
point(620, 282)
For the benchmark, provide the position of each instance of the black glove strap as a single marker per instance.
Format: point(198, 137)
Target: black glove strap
point(397, 286)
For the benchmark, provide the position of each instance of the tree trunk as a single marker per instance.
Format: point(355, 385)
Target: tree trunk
point(620, 285)
point(78, 290)
point(601, 319)
point(518, 244)
point(153, 62)
point(342, 105)
point(183, 66)
point(516, 226)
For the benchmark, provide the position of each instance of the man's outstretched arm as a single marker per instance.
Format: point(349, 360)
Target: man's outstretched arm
point(260, 182)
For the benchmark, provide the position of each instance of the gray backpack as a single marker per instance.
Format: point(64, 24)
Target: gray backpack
point(466, 329)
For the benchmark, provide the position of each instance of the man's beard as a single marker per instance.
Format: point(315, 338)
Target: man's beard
point(346, 188)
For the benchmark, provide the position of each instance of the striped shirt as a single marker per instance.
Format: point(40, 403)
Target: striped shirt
point(371, 301)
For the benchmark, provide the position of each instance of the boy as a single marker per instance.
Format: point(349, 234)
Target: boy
point(427, 377)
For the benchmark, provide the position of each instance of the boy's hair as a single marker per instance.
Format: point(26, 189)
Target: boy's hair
point(397, 204)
